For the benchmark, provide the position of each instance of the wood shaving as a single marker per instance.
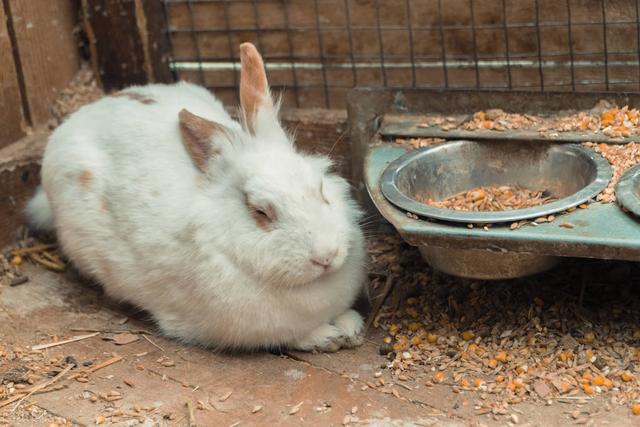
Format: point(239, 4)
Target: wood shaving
point(294, 410)
point(63, 342)
point(124, 339)
point(225, 396)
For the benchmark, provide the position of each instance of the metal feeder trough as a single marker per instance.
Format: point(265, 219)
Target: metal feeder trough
point(601, 231)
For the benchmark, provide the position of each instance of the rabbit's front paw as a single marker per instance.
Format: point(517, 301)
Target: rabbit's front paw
point(326, 337)
point(351, 324)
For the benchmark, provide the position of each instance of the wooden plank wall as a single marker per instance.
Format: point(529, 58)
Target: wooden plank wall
point(336, 33)
point(11, 119)
point(48, 50)
point(39, 56)
point(128, 41)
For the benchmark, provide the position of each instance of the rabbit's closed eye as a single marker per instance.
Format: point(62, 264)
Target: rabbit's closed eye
point(264, 216)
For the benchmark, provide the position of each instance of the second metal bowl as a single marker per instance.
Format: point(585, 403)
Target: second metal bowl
point(570, 173)
point(628, 190)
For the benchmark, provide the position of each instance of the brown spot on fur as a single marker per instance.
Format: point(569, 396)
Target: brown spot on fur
point(254, 88)
point(85, 178)
point(196, 136)
point(134, 96)
point(104, 205)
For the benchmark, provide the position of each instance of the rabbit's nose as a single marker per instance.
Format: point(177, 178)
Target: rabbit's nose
point(324, 258)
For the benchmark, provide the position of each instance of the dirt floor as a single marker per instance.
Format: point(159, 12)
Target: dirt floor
point(128, 375)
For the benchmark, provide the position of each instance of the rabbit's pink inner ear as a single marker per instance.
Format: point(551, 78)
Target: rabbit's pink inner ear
point(254, 88)
point(197, 133)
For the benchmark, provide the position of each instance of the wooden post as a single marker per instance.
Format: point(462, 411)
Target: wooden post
point(128, 41)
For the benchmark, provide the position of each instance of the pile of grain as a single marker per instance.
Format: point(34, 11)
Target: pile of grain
point(496, 198)
point(569, 334)
point(82, 90)
point(499, 120)
point(608, 120)
point(621, 157)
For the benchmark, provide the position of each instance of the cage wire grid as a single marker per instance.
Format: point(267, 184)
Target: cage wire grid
point(316, 50)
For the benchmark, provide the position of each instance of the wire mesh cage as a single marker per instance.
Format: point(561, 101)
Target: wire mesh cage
point(316, 50)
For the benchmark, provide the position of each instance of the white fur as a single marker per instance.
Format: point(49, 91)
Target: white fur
point(158, 233)
point(38, 212)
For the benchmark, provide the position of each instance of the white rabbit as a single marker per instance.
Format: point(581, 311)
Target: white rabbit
point(226, 234)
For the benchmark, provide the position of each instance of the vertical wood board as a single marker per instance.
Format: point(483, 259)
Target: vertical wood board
point(11, 119)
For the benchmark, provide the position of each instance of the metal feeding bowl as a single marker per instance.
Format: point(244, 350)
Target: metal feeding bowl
point(628, 190)
point(568, 172)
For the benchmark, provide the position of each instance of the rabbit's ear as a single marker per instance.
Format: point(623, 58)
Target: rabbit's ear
point(254, 88)
point(197, 136)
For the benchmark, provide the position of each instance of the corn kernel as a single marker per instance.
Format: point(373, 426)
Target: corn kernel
point(411, 311)
point(432, 338)
point(393, 329)
point(597, 380)
point(588, 337)
point(467, 335)
point(587, 388)
point(499, 378)
point(464, 383)
point(493, 363)
point(608, 117)
point(516, 384)
point(635, 409)
point(16, 260)
point(501, 356)
point(438, 377)
point(478, 382)
point(565, 387)
point(416, 340)
point(626, 376)
point(387, 340)
point(400, 346)
point(413, 326)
